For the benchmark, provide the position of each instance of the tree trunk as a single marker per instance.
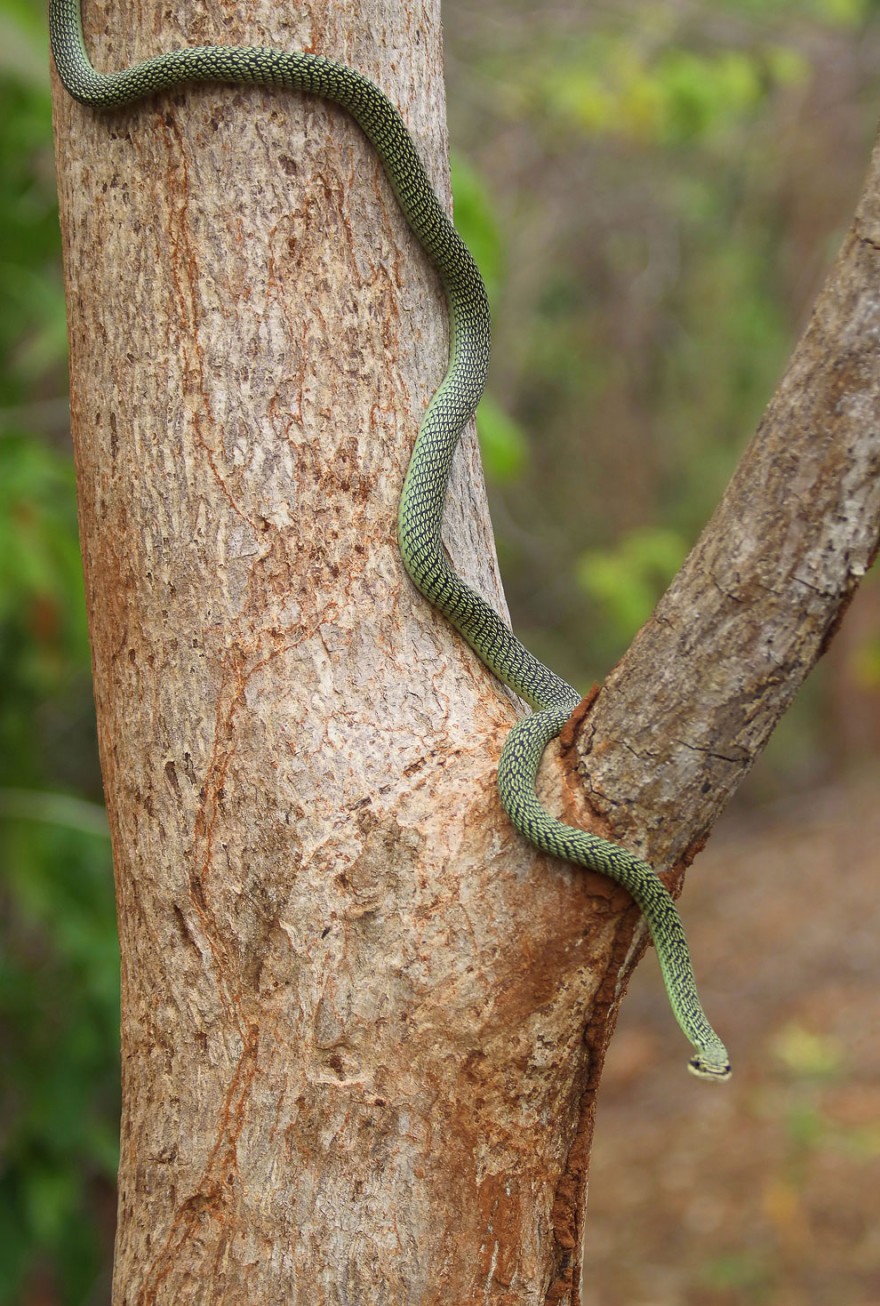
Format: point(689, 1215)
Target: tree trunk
point(354, 1063)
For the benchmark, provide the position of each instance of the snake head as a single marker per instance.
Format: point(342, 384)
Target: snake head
point(711, 1066)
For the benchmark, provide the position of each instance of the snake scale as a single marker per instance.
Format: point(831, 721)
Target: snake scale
point(424, 490)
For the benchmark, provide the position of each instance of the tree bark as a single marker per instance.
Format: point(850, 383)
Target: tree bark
point(354, 1063)
point(761, 595)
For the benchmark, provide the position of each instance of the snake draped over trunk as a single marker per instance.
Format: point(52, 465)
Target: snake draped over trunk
point(424, 490)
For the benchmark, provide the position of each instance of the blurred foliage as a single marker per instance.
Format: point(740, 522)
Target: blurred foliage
point(670, 96)
point(805, 1097)
point(627, 581)
point(652, 190)
point(475, 215)
point(59, 981)
point(502, 441)
point(670, 183)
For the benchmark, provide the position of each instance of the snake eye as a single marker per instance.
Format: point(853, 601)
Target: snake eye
point(716, 1071)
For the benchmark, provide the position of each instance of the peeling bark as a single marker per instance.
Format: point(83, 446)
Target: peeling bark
point(354, 1001)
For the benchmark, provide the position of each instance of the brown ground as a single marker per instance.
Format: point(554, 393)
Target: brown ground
point(767, 1190)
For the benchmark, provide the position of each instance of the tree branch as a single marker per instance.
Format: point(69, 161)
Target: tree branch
point(686, 712)
point(684, 715)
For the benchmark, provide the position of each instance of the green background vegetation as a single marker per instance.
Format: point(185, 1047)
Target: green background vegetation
point(654, 191)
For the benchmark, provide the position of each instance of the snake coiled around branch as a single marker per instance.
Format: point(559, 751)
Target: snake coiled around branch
point(424, 491)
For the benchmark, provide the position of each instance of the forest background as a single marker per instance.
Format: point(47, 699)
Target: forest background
point(654, 190)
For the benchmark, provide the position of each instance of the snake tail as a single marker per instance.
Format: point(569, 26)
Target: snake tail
point(521, 758)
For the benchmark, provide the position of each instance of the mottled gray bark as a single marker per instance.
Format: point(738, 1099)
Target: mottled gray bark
point(353, 1000)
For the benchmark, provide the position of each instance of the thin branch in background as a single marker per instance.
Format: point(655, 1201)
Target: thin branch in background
point(44, 417)
point(54, 809)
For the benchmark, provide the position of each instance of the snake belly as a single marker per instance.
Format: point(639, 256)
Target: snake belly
point(424, 491)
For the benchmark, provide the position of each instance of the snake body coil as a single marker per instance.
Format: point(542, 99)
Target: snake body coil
point(424, 490)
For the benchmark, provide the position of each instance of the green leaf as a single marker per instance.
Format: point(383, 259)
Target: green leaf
point(475, 221)
point(628, 580)
point(502, 442)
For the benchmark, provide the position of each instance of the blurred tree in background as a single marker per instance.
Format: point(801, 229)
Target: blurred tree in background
point(669, 181)
point(653, 189)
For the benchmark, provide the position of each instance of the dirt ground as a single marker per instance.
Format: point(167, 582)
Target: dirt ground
point(766, 1190)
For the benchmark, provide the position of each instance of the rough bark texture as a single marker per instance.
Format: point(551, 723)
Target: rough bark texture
point(759, 598)
point(353, 1001)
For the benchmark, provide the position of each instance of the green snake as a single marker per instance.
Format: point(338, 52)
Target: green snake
point(424, 490)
